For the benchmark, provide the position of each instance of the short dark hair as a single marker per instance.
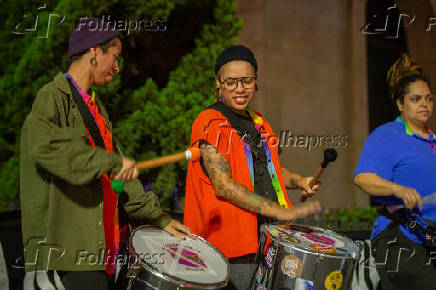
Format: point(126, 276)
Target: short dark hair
point(220, 71)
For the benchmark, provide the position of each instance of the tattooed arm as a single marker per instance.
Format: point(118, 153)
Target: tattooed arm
point(290, 178)
point(296, 181)
point(225, 187)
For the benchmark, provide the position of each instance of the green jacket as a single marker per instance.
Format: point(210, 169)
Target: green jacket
point(60, 189)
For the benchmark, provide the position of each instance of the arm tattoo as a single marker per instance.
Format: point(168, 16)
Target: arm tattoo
point(293, 184)
point(289, 181)
point(220, 175)
point(216, 165)
point(290, 178)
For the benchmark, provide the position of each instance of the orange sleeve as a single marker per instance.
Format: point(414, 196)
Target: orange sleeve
point(211, 127)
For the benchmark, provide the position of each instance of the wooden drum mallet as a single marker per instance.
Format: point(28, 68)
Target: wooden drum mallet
point(330, 155)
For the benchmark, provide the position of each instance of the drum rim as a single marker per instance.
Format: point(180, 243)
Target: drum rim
point(304, 250)
point(173, 279)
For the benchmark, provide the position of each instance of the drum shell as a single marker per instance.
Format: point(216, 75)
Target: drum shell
point(146, 280)
point(316, 266)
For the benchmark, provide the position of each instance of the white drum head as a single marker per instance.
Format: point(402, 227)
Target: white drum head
point(191, 261)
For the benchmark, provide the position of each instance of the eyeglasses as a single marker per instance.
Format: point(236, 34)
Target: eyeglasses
point(231, 84)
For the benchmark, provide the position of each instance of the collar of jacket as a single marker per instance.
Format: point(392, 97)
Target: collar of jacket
point(61, 83)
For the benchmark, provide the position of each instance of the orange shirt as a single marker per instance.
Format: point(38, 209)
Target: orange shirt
point(231, 229)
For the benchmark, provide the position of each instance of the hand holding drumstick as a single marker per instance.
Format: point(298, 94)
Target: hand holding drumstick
point(130, 170)
point(330, 155)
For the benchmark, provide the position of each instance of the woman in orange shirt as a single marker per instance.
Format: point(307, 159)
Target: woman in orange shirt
point(239, 179)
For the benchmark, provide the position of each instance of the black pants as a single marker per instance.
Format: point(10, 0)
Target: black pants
point(402, 263)
point(86, 280)
point(241, 271)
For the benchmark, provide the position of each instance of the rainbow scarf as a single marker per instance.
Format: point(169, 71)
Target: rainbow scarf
point(110, 199)
point(409, 131)
point(258, 123)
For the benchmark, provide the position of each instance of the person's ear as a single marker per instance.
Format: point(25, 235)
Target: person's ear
point(218, 87)
point(400, 105)
point(217, 82)
point(93, 56)
point(95, 50)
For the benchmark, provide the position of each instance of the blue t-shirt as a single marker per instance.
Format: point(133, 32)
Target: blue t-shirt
point(395, 153)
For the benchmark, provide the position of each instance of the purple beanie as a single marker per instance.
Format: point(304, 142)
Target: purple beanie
point(88, 33)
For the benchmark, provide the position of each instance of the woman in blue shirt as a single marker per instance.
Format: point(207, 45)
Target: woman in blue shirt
point(397, 167)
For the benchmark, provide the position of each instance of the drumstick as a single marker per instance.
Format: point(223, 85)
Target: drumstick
point(330, 155)
point(192, 153)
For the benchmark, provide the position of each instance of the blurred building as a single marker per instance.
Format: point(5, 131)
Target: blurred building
point(322, 68)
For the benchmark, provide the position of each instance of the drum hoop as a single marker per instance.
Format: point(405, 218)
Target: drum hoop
point(174, 279)
point(336, 255)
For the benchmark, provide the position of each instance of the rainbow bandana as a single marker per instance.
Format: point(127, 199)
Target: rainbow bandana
point(409, 131)
point(258, 123)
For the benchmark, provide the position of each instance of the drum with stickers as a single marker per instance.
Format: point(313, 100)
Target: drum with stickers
point(304, 257)
point(161, 261)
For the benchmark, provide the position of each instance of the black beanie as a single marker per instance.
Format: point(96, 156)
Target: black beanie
point(88, 33)
point(236, 52)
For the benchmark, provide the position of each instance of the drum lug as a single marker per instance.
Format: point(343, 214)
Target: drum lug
point(133, 271)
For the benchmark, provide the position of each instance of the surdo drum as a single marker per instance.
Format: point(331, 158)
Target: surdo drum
point(304, 257)
point(166, 262)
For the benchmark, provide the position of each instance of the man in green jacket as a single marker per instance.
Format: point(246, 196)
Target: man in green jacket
point(69, 211)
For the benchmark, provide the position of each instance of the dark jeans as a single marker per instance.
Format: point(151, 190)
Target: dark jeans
point(402, 263)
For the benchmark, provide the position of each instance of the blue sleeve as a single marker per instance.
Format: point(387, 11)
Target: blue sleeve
point(378, 154)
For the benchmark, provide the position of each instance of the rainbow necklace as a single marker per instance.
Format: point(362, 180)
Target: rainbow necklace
point(258, 123)
point(410, 132)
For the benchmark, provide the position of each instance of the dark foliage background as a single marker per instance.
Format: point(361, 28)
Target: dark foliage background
point(165, 81)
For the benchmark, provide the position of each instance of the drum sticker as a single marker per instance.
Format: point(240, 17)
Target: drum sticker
point(270, 256)
point(299, 228)
point(291, 266)
point(319, 239)
point(187, 258)
point(333, 281)
point(286, 229)
point(291, 239)
point(274, 232)
point(288, 235)
point(301, 284)
point(323, 248)
point(259, 274)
